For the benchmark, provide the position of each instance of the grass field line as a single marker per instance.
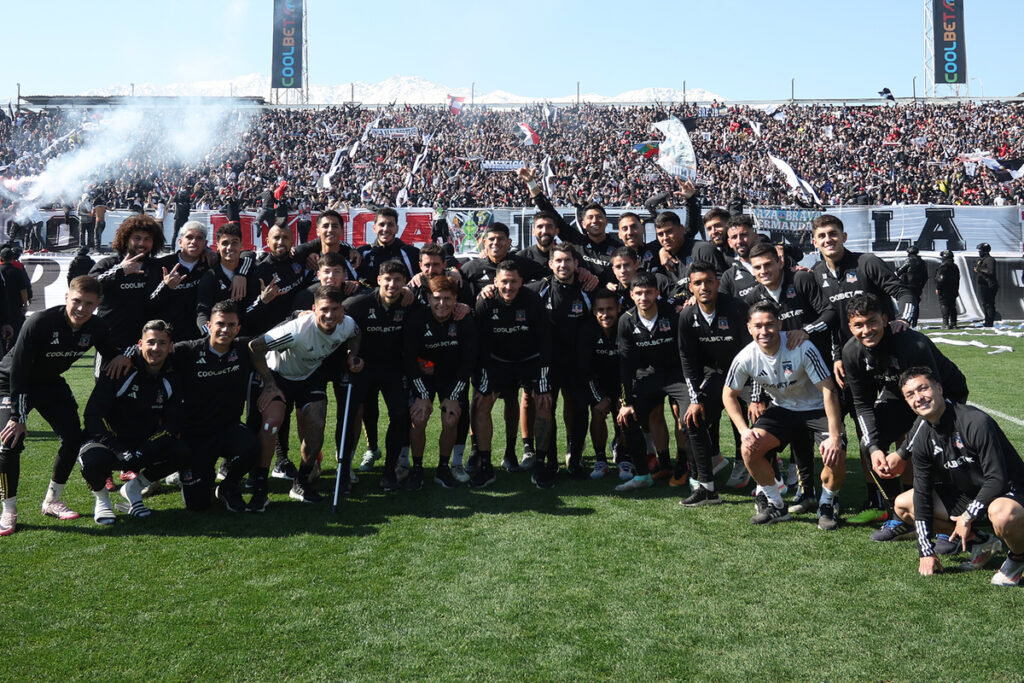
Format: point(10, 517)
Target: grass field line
point(1003, 416)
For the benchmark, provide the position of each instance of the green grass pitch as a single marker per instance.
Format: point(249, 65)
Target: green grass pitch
point(575, 583)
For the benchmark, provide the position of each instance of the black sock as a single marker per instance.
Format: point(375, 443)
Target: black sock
point(663, 459)
point(258, 478)
point(485, 458)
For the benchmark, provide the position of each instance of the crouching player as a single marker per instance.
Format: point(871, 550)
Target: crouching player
point(439, 355)
point(214, 373)
point(965, 471)
point(803, 399)
point(134, 424)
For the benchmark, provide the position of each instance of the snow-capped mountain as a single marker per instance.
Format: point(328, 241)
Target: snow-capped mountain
point(401, 89)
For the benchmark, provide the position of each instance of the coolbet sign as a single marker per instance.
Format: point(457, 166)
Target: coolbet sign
point(286, 69)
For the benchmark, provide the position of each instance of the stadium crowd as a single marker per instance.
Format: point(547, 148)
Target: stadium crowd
point(884, 154)
point(205, 355)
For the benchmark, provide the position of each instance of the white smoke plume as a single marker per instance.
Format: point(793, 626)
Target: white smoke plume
point(148, 135)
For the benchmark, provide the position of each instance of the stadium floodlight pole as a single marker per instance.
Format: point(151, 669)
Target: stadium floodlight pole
point(914, 87)
point(792, 89)
point(472, 93)
point(133, 89)
point(341, 447)
point(684, 93)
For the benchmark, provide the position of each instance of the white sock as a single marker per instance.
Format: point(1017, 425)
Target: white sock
point(826, 496)
point(53, 492)
point(403, 457)
point(778, 484)
point(709, 485)
point(457, 451)
point(10, 505)
point(103, 497)
point(773, 495)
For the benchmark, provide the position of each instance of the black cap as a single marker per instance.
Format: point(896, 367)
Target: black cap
point(912, 250)
point(984, 247)
point(946, 255)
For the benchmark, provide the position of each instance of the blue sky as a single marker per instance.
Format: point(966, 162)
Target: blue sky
point(740, 50)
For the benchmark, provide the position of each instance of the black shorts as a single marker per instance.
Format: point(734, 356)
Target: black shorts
point(893, 419)
point(783, 424)
point(956, 501)
point(302, 392)
point(496, 377)
point(441, 389)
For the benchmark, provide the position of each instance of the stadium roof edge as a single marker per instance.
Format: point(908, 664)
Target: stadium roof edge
point(119, 100)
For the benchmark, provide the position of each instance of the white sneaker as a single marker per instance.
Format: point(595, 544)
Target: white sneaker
point(739, 477)
point(459, 472)
point(174, 479)
point(369, 457)
point(1009, 573)
point(527, 462)
point(718, 464)
point(59, 509)
point(600, 469)
point(8, 523)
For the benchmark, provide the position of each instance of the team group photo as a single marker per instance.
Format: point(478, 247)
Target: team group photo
point(428, 382)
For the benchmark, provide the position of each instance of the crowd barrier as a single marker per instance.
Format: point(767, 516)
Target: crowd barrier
point(885, 230)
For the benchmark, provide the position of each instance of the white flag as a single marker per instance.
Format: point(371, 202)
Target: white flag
point(754, 126)
point(827, 130)
point(970, 168)
point(795, 181)
point(675, 154)
point(547, 175)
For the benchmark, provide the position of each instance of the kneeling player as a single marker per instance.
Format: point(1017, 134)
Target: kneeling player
point(804, 398)
point(965, 470)
point(440, 354)
point(134, 424)
point(214, 373)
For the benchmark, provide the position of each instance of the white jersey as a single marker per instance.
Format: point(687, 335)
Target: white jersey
point(788, 376)
point(298, 346)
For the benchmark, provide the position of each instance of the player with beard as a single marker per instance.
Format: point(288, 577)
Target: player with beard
point(285, 276)
point(134, 424)
point(874, 358)
point(381, 316)
point(439, 354)
point(289, 359)
point(716, 249)
point(966, 472)
point(31, 378)
point(515, 343)
point(804, 399)
point(738, 280)
point(174, 298)
point(432, 264)
point(128, 277)
point(214, 373)
point(387, 247)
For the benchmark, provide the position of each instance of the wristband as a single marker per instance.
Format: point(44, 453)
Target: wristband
point(533, 186)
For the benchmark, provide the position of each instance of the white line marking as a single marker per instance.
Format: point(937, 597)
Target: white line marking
point(1001, 416)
